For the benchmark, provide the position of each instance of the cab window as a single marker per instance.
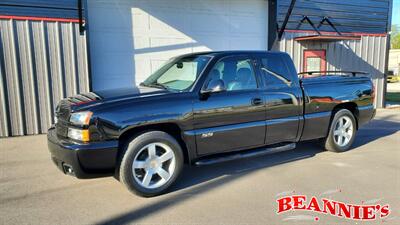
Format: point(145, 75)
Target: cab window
point(236, 74)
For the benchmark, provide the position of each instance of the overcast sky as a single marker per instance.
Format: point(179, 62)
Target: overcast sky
point(396, 12)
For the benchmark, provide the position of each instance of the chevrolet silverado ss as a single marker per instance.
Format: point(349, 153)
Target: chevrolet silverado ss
point(205, 108)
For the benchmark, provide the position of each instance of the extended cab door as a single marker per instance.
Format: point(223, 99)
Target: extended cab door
point(233, 119)
point(283, 96)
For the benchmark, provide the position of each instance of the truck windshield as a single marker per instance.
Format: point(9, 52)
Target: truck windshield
point(178, 74)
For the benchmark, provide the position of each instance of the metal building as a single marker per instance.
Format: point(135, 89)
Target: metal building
point(53, 49)
point(337, 36)
point(43, 58)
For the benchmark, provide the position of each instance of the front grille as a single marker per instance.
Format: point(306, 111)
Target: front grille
point(62, 129)
point(63, 112)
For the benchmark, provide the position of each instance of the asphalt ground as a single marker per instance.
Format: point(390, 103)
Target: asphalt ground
point(34, 191)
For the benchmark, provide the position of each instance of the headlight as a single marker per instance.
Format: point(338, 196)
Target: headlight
point(80, 118)
point(78, 134)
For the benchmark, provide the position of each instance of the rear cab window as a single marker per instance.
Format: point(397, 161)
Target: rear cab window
point(275, 71)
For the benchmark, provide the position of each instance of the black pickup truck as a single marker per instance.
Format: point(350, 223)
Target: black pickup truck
point(205, 108)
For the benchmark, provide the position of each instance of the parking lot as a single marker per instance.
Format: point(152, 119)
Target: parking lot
point(33, 191)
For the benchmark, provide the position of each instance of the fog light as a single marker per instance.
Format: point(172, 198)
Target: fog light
point(78, 134)
point(68, 169)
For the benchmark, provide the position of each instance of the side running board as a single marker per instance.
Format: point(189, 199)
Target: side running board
point(245, 154)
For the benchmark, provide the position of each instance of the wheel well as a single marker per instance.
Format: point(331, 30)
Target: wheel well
point(351, 106)
point(170, 128)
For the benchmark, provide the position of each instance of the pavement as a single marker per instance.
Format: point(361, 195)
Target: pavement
point(33, 191)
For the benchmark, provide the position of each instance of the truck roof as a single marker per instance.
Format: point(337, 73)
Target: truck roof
point(233, 52)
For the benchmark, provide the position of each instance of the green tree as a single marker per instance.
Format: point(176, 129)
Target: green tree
point(395, 37)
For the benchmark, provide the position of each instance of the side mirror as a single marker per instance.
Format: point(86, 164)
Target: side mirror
point(214, 86)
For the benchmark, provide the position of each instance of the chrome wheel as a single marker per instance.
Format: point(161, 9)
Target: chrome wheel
point(153, 165)
point(343, 131)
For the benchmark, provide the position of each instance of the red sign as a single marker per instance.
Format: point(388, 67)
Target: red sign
point(332, 207)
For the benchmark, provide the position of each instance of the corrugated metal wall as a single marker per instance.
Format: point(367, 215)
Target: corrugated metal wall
point(41, 62)
point(367, 54)
point(40, 8)
point(370, 16)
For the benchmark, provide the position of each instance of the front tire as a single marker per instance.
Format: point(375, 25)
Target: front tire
point(151, 163)
point(342, 132)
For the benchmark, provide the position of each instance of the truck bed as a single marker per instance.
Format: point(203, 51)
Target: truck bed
point(323, 93)
point(334, 78)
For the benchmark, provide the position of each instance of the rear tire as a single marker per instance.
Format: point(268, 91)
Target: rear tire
point(151, 163)
point(342, 132)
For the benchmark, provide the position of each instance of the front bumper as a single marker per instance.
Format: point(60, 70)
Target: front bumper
point(89, 160)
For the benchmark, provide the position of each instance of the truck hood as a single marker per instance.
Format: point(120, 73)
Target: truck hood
point(140, 91)
point(86, 100)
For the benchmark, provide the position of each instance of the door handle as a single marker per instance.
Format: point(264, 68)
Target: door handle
point(256, 101)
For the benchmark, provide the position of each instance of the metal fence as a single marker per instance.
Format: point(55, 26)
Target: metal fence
point(367, 54)
point(41, 62)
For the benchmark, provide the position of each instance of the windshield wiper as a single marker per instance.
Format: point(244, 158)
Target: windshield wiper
point(156, 85)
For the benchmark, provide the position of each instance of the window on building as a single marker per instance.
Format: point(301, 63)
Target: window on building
point(314, 60)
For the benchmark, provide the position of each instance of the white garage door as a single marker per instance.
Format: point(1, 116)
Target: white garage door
point(129, 39)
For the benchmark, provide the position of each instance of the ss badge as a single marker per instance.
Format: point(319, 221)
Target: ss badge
point(207, 135)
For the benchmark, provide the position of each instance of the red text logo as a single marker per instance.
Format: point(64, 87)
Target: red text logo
point(331, 207)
